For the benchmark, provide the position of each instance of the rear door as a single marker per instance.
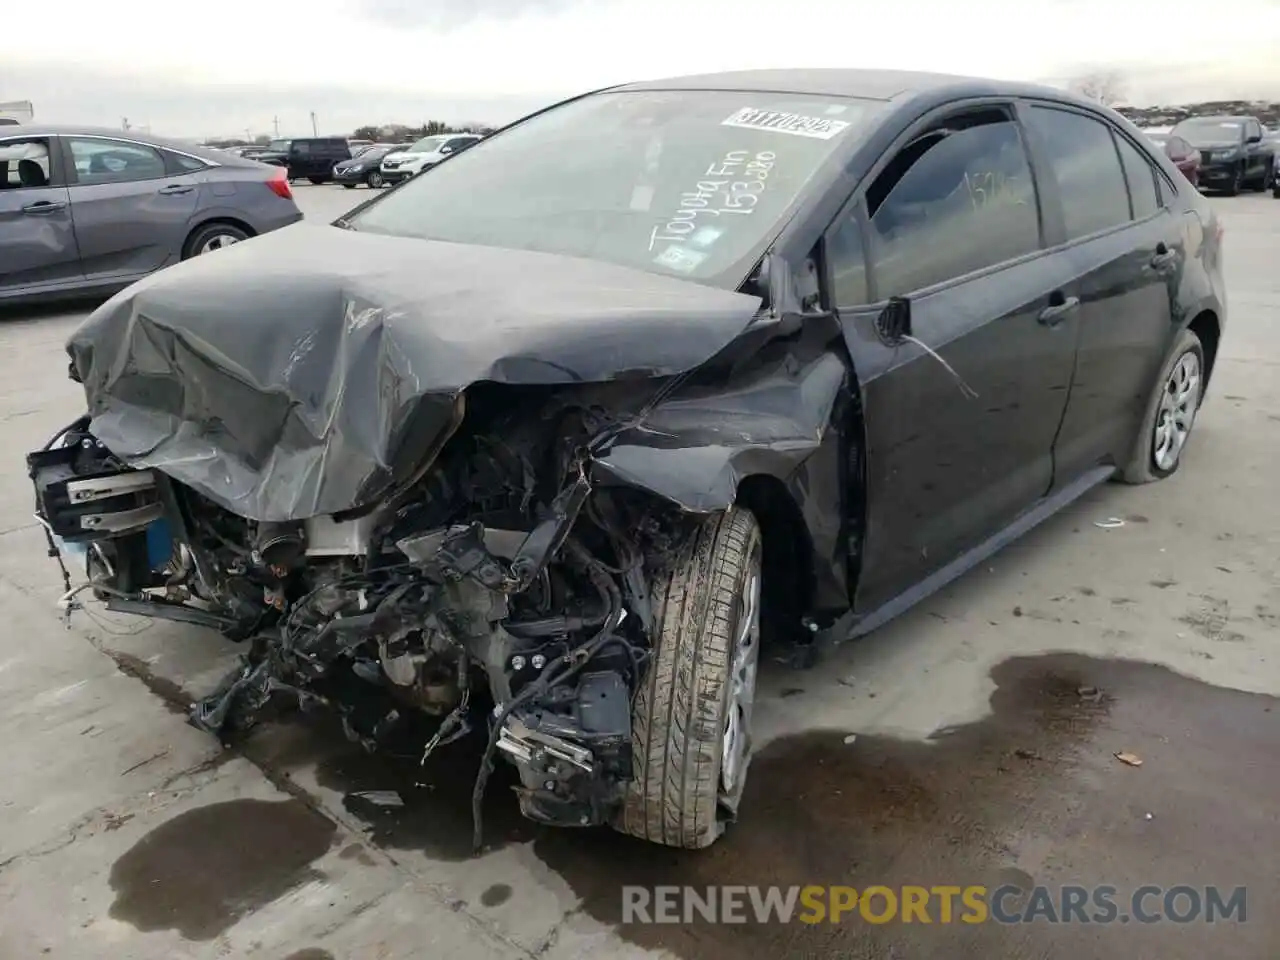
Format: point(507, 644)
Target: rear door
point(1126, 246)
point(960, 420)
point(457, 145)
point(37, 242)
point(131, 214)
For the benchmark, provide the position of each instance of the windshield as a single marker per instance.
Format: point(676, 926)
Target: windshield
point(1209, 130)
point(427, 145)
point(688, 183)
point(278, 146)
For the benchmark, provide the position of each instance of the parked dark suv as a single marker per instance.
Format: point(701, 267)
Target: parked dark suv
point(1234, 155)
point(308, 158)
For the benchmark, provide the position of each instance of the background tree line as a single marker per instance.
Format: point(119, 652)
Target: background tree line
point(399, 131)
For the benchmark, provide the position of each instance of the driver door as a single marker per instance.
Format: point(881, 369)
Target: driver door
point(960, 419)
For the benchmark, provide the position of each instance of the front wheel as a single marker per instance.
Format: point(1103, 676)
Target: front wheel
point(691, 721)
point(374, 179)
point(1237, 183)
point(1268, 177)
point(1171, 413)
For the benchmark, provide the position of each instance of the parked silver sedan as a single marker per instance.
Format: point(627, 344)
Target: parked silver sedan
point(86, 210)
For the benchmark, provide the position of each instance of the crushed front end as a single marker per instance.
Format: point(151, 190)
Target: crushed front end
point(498, 587)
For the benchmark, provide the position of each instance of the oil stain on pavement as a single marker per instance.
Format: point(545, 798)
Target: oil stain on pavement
point(200, 871)
point(1032, 794)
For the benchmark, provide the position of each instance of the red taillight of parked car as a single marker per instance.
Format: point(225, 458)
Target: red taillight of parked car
point(279, 184)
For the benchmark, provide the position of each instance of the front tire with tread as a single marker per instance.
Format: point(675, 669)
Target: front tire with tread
point(679, 718)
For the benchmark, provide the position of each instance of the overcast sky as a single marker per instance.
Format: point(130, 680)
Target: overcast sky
point(217, 69)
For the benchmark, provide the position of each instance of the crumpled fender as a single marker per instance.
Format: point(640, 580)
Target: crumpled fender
point(696, 448)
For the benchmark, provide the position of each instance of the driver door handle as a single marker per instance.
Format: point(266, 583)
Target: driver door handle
point(175, 188)
point(44, 206)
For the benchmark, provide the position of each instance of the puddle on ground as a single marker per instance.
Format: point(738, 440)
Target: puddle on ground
point(1032, 793)
point(200, 871)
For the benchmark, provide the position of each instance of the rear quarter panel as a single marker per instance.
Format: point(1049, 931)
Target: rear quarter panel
point(243, 195)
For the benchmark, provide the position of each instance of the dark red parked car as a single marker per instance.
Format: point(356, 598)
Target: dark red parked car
point(1184, 156)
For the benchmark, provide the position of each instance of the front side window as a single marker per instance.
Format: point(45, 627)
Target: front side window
point(24, 164)
point(279, 146)
point(1083, 157)
point(687, 183)
point(957, 199)
point(114, 161)
point(847, 257)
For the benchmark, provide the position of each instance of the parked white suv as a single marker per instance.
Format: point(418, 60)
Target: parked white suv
point(427, 152)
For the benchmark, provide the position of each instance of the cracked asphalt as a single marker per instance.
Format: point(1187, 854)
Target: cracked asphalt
point(972, 741)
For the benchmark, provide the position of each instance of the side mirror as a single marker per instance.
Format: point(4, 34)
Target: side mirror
point(1253, 138)
point(444, 150)
point(894, 322)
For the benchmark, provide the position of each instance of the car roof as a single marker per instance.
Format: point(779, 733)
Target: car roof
point(865, 84)
point(128, 136)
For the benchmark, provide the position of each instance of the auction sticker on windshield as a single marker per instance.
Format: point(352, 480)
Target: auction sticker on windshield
point(796, 124)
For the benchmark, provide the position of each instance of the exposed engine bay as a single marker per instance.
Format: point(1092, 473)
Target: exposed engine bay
point(499, 575)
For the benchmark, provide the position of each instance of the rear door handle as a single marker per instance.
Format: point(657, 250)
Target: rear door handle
point(174, 188)
point(44, 206)
point(1055, 313)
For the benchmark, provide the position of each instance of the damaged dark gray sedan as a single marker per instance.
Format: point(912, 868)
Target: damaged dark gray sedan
point(550, 440)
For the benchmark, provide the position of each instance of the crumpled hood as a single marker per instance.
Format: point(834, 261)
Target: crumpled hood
point(307, 371)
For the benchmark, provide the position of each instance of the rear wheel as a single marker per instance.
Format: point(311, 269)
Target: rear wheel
point(211, 237)
point(316, 180)
point(1171, 413)
point(691, 722)
point(349, 186)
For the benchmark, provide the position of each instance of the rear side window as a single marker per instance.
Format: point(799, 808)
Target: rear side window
point(301, 146)
point(1087, 167)
point(955, 200)
point(1142, 180)
point(184, 163)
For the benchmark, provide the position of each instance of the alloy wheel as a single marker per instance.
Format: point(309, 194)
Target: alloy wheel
point(745, 657)
point(217, 242)
point(1179, 402)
